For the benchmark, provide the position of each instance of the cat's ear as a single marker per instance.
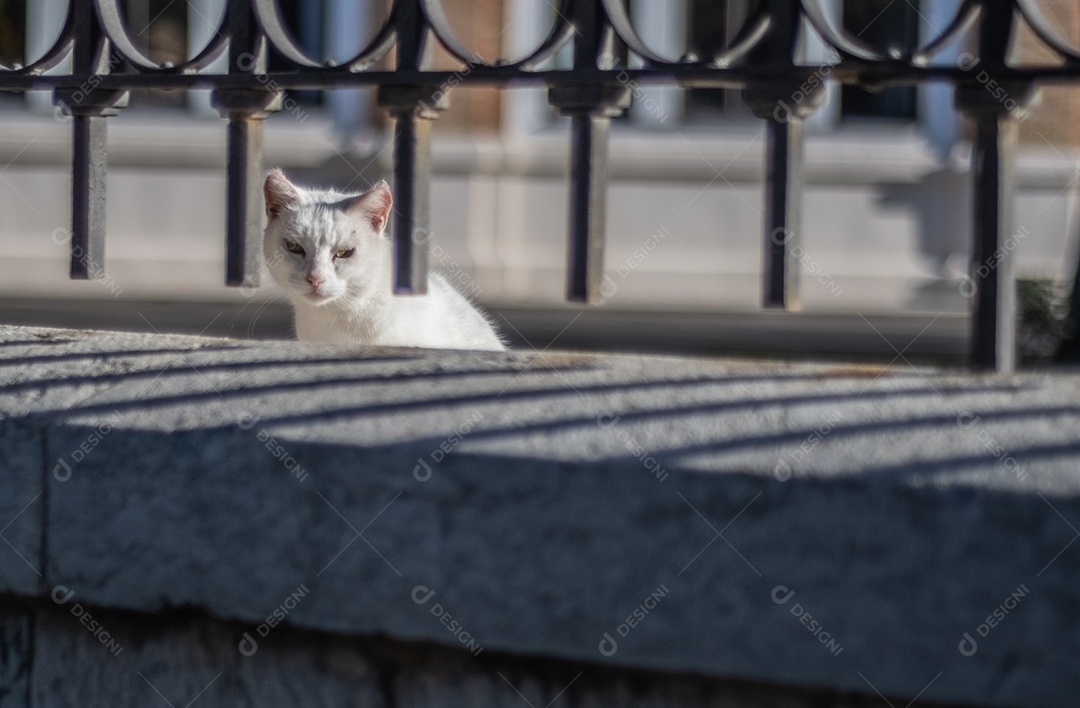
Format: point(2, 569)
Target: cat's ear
point(280, 194)
point(374, 205)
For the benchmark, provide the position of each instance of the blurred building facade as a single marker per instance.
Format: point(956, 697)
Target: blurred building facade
point(885, 216)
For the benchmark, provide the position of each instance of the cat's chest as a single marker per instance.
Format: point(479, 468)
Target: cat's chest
point(343, 325)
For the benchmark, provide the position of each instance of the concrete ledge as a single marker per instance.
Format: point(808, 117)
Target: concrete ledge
point(943, 337)
point(800, 525)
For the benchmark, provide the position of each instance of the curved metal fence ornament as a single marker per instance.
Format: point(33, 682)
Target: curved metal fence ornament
point(754, 29)
point(268, 16)
point(966, 16)
point(609, 54)
point(60, 50)
point(562, 30)
point(1045, 31)
point(730, 63)
point(112, 25)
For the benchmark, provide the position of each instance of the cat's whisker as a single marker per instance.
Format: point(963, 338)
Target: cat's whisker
point(260, 299)
point(254, 320)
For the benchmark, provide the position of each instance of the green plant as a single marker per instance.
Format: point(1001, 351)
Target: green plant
point(1041, 317)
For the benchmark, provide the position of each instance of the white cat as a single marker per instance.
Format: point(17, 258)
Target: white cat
point(331, 254)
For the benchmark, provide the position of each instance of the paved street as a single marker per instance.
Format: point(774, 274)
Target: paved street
point(940, 338)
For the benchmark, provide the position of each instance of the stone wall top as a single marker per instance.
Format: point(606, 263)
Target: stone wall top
point(901, 530)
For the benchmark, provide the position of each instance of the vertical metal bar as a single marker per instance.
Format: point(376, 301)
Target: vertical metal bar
point(590, 109)
point(87, 56)
point(412, 136)
point(412, 181)
point(243, 200)
point(245, 112)
point(88, 168)
point(588, 173)
point(412, 36)
point(993, 325)
point(1069, 349)
point(993, 334)
point(88, 180)
point(247, 44)
point(783, 200)
point(774, 102)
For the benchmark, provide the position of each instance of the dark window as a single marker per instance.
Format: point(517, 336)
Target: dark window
point(304, 18)
point(12, 32)
point(710, 26)
point(158, 29)
point(12, 41)
point(881, 24)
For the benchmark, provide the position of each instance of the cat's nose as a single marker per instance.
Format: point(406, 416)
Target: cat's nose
point(315, 280)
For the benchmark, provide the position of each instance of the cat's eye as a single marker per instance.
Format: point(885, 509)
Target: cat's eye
point(345, 253)
point(294, 247)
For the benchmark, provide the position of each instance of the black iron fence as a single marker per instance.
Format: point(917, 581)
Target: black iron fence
point(762, 60)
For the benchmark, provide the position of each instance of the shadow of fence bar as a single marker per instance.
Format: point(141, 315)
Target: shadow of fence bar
point(762, 60)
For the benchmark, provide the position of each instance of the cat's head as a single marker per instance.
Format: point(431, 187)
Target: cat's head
point(323, 246)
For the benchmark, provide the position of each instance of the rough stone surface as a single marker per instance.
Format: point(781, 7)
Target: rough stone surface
point(181, 661)
point(16, 629)
point(810, 525)
point(21, 506)
point(187, 659)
